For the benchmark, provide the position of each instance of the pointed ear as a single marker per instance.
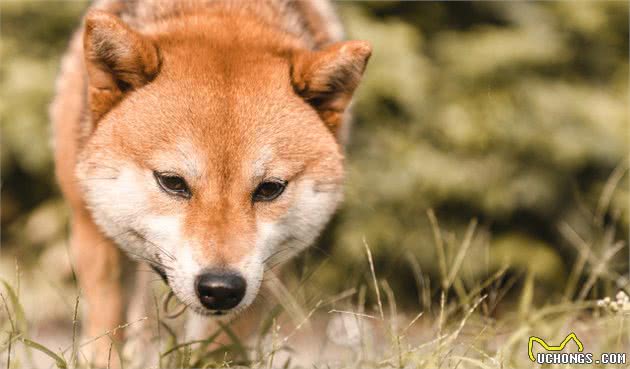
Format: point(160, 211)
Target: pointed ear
point(117, 59)
point(326, 79)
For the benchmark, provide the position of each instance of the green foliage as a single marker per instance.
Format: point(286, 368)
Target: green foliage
point(34, 35)
point(512, 113)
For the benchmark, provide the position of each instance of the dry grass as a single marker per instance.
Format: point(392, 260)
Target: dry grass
point(472, 326)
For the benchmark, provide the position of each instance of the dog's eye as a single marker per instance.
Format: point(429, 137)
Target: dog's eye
point(269, 190)
point(173, 184)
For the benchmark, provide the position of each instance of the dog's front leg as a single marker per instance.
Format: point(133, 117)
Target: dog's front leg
point(99, 269)
point(142, 338)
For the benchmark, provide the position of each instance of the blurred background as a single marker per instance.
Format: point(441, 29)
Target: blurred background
point(508, 120)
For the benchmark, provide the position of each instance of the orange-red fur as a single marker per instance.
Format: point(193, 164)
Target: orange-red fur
point(205, 88)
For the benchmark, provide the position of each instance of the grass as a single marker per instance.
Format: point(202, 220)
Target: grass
point(485, 324)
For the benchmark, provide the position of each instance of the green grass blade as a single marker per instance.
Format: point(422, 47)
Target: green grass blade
point(238, 345)
point(189, 343)
point(59, 361)
point(18, 310)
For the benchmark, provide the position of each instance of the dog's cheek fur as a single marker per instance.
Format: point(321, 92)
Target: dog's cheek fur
point(113, 194)
point(121, 203)
point(117, 199)
point(311, 209)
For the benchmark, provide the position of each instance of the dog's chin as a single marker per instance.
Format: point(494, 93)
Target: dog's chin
point(220, 315)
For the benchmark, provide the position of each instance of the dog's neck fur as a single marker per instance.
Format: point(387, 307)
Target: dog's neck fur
point(313, 22)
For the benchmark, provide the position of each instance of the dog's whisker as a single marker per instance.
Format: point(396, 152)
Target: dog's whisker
point(143, 238)
point(143, 258)
point(279, 258)
point(277, 252)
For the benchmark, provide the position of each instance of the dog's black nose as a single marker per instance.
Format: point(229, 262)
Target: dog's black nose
point(220, 290)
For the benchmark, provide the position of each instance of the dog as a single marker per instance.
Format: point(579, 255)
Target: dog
point(203, 138)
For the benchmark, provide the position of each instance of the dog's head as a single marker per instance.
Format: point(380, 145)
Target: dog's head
point(214, 151)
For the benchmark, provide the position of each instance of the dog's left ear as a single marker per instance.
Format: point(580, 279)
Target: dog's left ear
point(326, 79)
point(117, 58)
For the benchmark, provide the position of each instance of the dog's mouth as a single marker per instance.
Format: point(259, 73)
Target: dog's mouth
point(160, 272)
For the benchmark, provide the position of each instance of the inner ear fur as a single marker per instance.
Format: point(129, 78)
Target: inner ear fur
point(117, 58)
point(327, 78)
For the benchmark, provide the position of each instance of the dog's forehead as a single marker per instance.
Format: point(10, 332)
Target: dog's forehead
point(210, 111)
point(225, 66)
point(225, 93)
point(197, 138)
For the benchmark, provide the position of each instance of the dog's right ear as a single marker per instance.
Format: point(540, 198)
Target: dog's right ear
point(117, 58)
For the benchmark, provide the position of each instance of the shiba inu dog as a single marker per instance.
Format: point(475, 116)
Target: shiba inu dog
point(204, 138)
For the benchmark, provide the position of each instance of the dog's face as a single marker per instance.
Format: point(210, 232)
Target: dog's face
point(213, 158)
